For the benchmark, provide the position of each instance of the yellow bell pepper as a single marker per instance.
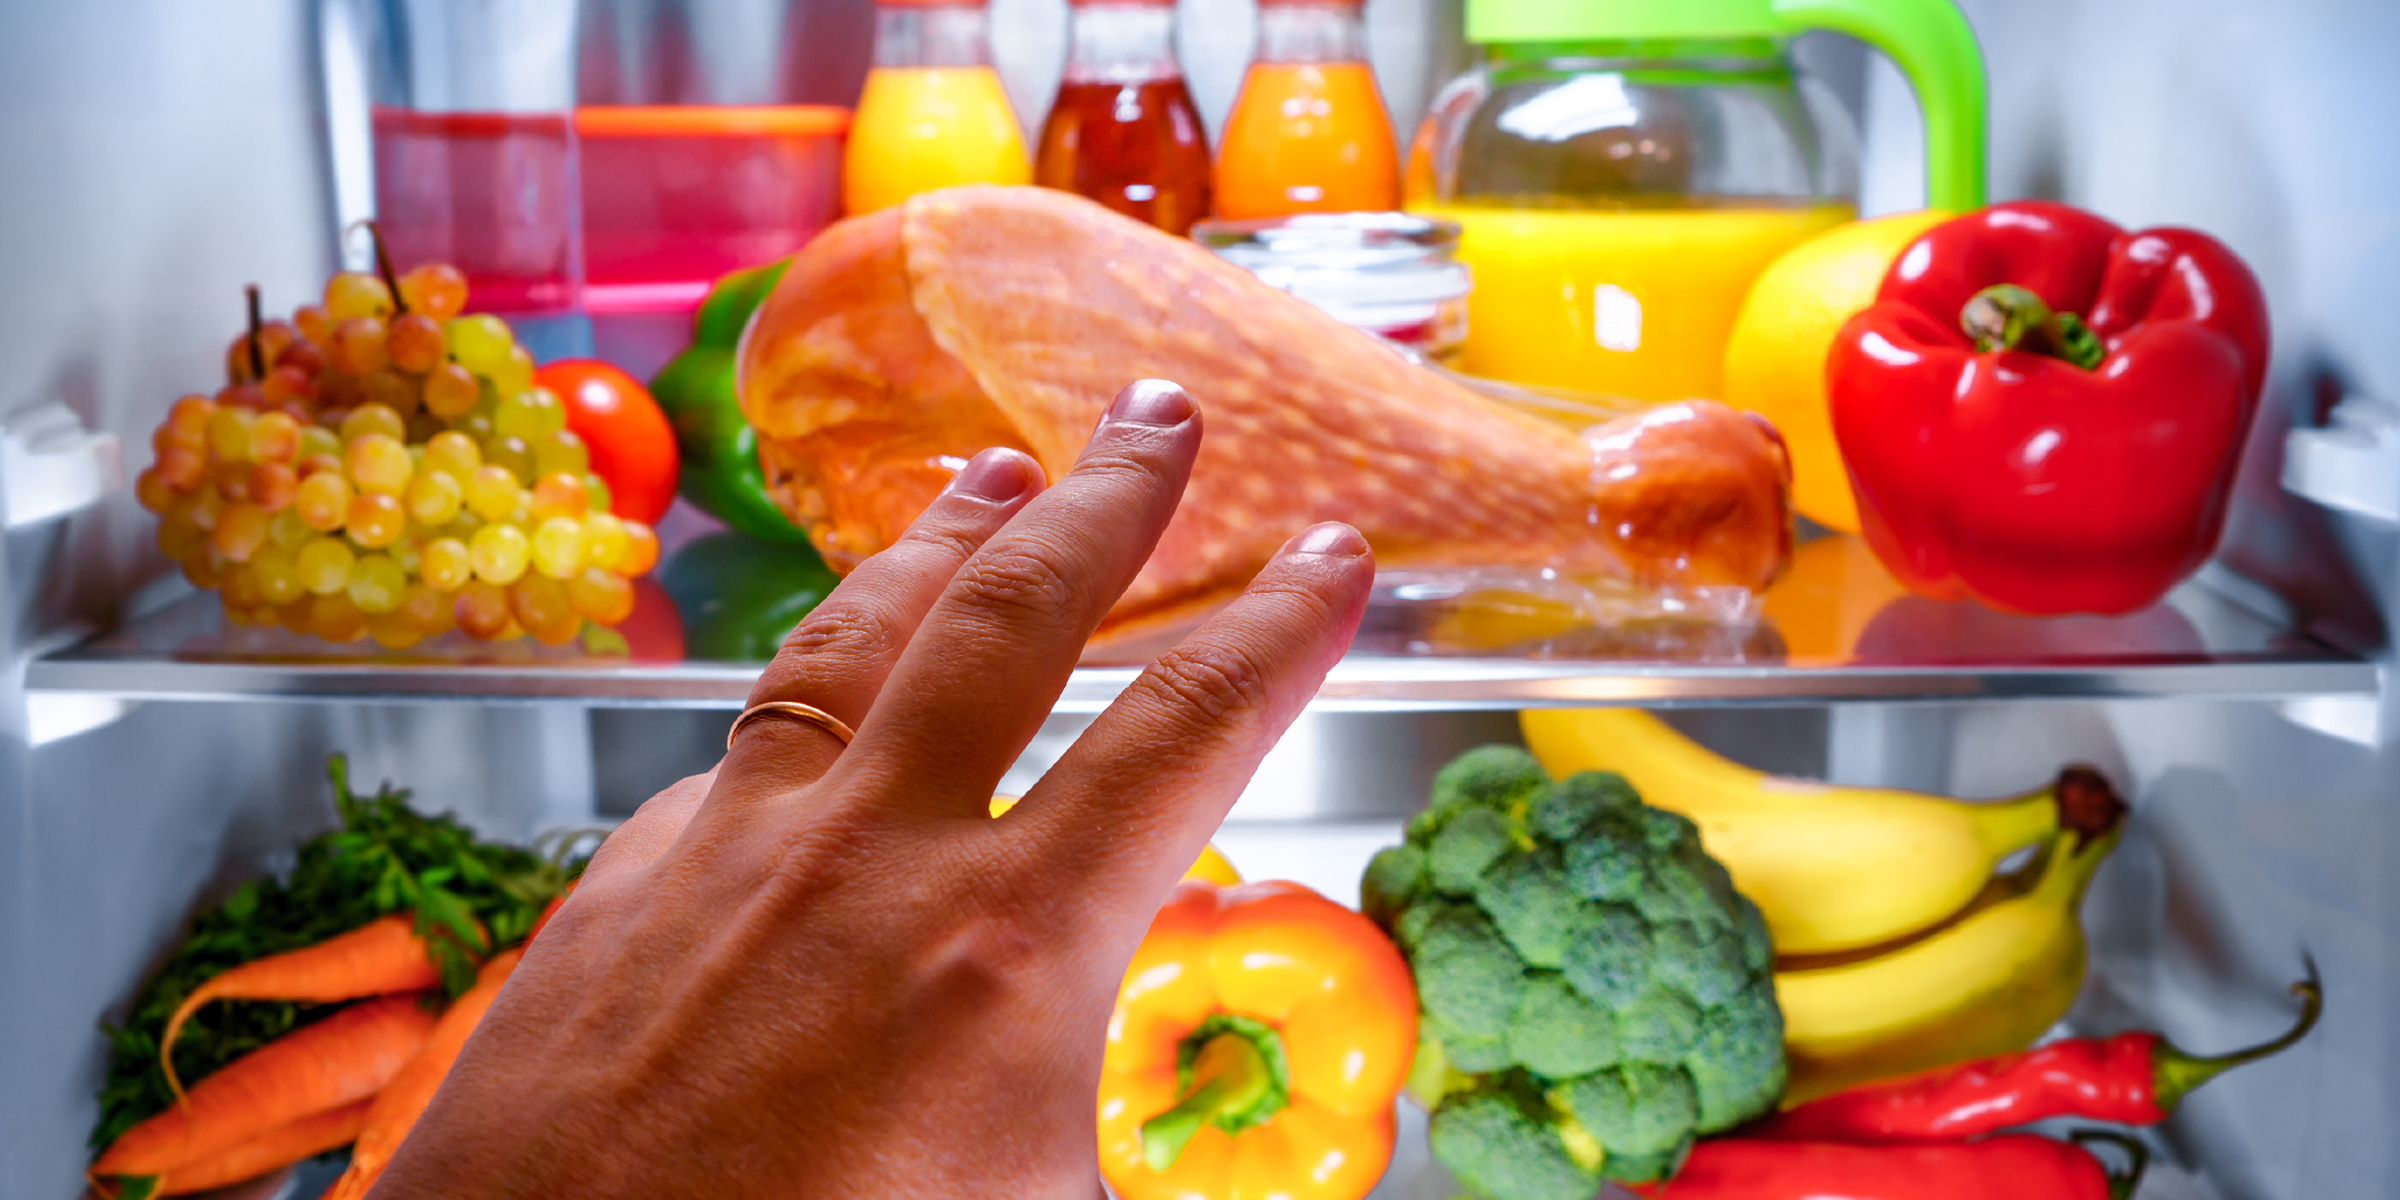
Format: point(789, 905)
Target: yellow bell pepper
point(1259, 1038)
point(1211, 867)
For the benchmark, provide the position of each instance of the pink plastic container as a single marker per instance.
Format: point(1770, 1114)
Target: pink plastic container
point(676, 195)
point(489, 192)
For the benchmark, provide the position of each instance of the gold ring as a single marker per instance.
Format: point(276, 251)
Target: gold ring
point(792, 708)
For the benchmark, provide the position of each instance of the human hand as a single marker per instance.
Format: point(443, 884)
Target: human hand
point(825, 970)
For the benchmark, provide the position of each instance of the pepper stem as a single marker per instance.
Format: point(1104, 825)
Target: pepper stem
point(2007, 317)
point(2121, 1184)
point(2173, 1073)
point(1231, 1073)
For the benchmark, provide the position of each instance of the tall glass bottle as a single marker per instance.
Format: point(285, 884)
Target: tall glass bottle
point(1308, 131)
point(933, 113)
point(1123, 130)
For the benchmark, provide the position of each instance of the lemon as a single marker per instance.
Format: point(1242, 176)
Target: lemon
point(1775, 360)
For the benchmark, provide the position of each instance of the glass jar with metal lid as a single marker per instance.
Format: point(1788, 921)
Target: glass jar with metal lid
point(1391, 274)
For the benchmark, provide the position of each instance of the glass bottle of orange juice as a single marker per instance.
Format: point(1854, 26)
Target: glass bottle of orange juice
point(1622, 171)
point(1308, 131)
point(933, 113)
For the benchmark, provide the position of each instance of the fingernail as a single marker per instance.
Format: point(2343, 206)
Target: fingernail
point(1152, 402)
point(1330, 538)
point(996, 475)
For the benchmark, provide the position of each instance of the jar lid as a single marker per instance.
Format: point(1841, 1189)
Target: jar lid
point(1338, 259)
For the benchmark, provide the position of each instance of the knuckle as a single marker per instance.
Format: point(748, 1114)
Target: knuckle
point(848, 631)
point(1018, 583)
point(1216, 682)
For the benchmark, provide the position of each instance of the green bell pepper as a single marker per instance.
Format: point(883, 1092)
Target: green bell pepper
point(720, 451)
point(738, 595)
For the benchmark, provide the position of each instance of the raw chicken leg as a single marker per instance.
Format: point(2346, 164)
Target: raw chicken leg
point(901, 343)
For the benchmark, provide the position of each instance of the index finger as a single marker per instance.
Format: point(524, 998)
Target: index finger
point(997, 648)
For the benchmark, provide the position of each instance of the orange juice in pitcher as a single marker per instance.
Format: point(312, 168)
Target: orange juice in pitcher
point(1621, 170)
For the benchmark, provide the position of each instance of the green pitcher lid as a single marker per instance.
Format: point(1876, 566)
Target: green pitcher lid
point(1596, 20)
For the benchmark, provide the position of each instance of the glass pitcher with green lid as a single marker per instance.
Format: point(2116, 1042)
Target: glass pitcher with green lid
point(1622, 170)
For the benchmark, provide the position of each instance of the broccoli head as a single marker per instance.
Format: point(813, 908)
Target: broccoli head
point(1499, 1145)
point(1595, 993)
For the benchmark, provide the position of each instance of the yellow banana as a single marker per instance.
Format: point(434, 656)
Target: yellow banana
point(1832, 868)
point(1988, 985)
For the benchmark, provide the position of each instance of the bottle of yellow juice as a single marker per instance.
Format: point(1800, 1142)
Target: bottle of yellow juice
point(1621, 170)
point(933, 113)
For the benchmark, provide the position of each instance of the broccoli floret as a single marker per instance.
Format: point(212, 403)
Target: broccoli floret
point(1601, 866)
point(1529, 900)
point(1467, 846)
point(1636, 1109)
point(1758, 947)
point(1675, 891)
point(1703, 961)
point(1578, 800)
point(1502, 1148)
point(1504, 779)
point(1558, 1034)
point(1467, 977)
point(1660, 1026)
point(1737, 1066)
point(1611, 962)
point(1668, 830)
point(1595, 993)
point(1393, 876)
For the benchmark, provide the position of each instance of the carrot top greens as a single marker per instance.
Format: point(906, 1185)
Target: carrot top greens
point(384, 858)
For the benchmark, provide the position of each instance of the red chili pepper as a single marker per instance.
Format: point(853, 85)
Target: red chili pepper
point(2005, 449)
point(2132, 1079)
point(2010, 1167)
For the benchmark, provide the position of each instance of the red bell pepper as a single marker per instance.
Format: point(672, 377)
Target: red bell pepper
point(2133, 1078)
point(2044, 412)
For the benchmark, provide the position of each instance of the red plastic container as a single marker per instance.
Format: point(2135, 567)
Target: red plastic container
point(676, 195)
point(491, 193)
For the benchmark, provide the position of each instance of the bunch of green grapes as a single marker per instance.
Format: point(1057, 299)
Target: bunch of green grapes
point(384, 467)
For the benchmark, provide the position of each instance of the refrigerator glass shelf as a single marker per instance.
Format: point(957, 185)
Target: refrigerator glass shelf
point(1835, 629)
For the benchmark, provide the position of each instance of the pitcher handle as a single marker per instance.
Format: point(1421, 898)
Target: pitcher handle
point(1934, 46)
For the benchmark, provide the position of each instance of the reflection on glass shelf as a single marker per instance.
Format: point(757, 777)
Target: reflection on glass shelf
point(1836, 628)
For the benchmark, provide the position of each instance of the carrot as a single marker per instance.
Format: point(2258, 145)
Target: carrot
point(376, 959)
point(340, 1060)
point(282, 1146)
point(548, 911)
point(406, 1097)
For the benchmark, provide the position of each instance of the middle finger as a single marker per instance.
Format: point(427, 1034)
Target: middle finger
point(997, 648)
point(836, 659)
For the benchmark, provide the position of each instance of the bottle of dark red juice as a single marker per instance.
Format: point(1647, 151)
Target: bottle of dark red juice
point(1123, 130)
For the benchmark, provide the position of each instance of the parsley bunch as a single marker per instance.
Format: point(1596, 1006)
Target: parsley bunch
point(470, 897)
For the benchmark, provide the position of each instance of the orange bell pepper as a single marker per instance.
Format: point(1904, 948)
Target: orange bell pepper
point(1258, 1041)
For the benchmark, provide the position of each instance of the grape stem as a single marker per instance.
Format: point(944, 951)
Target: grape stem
point(383, 264)
point(258, 357)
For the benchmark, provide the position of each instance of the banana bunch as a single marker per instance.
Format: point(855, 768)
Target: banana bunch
point(1898, 946)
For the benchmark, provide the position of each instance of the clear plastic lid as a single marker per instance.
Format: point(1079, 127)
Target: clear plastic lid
point(1338, 260)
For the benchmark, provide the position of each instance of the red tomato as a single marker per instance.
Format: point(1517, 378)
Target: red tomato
point(631, 443)
point(654, 631)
